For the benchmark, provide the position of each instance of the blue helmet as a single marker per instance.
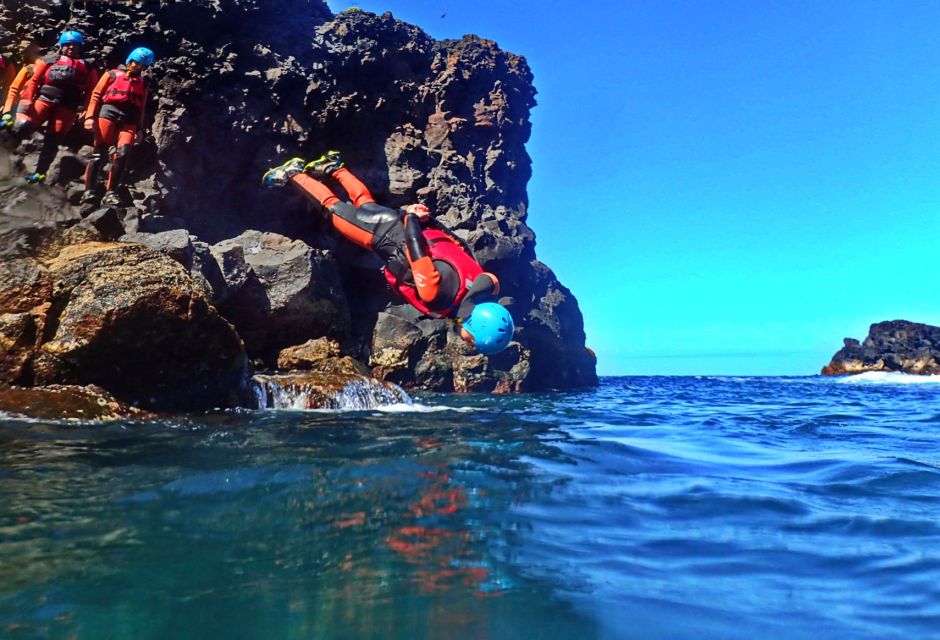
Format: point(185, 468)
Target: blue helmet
point(491, 327)
point(71, 37)
point(142, 56)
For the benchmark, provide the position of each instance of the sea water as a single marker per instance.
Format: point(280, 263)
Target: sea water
point(651, 507)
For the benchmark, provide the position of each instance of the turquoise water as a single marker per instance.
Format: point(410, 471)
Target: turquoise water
point(649, 508)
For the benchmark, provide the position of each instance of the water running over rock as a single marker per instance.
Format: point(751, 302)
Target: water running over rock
point(313, 390)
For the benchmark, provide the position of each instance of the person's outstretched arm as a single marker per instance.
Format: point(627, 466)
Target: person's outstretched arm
point(426, 276)
point(16, 88)
point(31, 90)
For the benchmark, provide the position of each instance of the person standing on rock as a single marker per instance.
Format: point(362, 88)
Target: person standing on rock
point(115, 114)
point(12, 97)
point(55, 93)
point(426, 263)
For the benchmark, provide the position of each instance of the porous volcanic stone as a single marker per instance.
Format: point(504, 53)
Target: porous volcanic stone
point(895, 345)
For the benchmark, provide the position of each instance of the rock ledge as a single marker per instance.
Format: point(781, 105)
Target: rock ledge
point(895, 345)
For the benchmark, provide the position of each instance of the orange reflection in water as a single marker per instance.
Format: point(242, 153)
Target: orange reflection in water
point(439, 554)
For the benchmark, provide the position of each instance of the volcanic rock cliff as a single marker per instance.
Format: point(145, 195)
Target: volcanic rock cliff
point(201, 267)
point(896, 345)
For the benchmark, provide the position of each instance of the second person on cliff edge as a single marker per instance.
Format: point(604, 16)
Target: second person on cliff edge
point(115, 114)
point(424, 262)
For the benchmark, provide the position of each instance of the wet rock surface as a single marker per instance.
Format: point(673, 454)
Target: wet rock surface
point(896, 345)
point(240, 86)
point(308, 355)
point(61, 402)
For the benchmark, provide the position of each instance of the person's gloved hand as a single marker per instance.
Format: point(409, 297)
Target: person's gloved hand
point(421, 211)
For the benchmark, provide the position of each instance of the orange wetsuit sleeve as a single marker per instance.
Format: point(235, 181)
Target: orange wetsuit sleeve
point(93, 78)
point(9, 73)
point(94, 100)
point(16, 88)
point(32, 85)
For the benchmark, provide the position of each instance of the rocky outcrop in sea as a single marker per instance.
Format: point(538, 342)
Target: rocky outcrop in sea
point(201, 277)
point(896, 345)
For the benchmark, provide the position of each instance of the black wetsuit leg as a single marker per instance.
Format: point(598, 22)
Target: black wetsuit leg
point(363, 225)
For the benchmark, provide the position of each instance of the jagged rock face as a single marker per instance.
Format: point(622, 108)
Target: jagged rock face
point(289, 292)
point(896, 345)
point(242, 85)
point(430, 354)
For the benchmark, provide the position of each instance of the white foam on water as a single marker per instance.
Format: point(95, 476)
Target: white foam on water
point(397, 408)
point(423, 408)
point(888, 377)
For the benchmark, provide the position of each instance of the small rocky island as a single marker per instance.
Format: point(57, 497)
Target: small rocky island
point(896, 345)
point(200, 279)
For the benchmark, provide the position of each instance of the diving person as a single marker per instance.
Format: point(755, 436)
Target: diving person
point(115, 114)
point(55, 93)
point(425, 263)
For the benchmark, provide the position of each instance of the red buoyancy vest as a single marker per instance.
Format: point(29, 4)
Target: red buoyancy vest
point(442, 247)
point(67, 73)
point(126, 90)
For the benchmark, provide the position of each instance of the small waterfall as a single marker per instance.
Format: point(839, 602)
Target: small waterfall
point(317, 391)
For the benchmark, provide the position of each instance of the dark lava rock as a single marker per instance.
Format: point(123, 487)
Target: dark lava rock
point(896, 345)
point(430, 354)
point(284, 292)
point(108, 222)
point(174, 244)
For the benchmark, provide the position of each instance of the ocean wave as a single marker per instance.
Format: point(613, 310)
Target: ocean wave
point(888, 377)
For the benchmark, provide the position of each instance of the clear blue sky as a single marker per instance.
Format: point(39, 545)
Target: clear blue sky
point(727, 187)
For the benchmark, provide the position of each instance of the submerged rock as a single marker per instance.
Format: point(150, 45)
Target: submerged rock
point(896, 345)
point(59, 402)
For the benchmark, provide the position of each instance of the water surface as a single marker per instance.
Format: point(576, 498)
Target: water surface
point(652, 507)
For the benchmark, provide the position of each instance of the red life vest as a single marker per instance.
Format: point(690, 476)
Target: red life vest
point(443, 248)
point(67, 73)
point(126, 90)
point(64, 81)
